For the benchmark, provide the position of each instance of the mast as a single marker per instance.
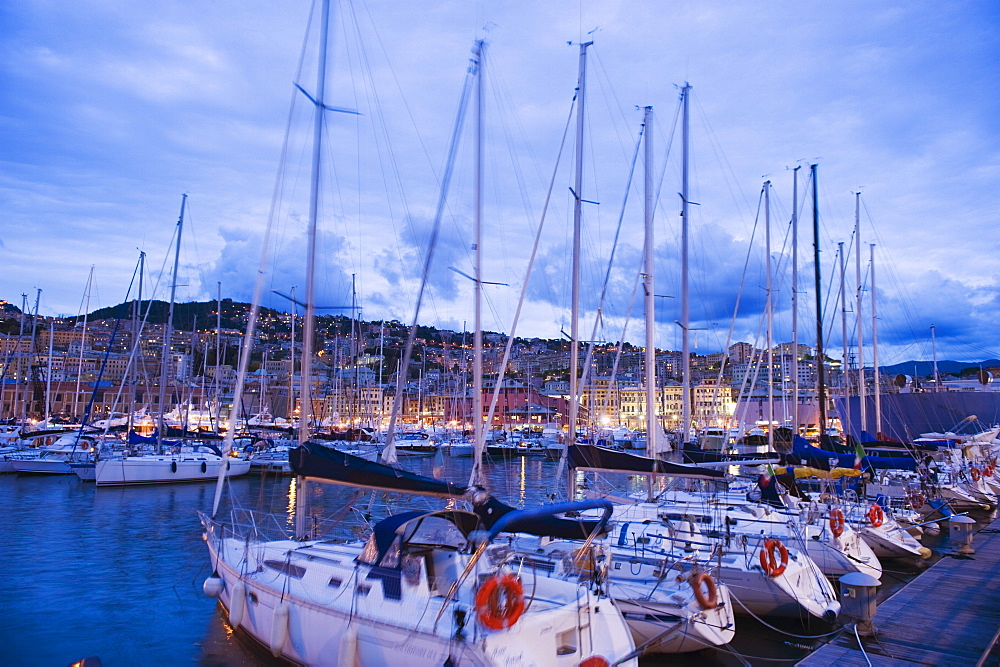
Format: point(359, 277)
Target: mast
point(845, 375)
point(876, 380)
point(20, 374)
point(309, 329)
point(652, 428)
point(795, 299)
point(479, 53)
point(29, 375)
point(48, 370)
point(83, 342)
point(218, 356)
point(820, 356)
point(770, 318)
point(290, 410)
point(861, 354)
point(934, 356)
point(685, 306)
point(574, 349)
point(167, 330)
point(136, 344)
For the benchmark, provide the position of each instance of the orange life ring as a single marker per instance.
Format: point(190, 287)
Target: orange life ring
point(837, 522)
point(709, 598)
point(989, 470)
point(917, 501)
point(85, 445)
point(500, 601)
point(875, 515)
point(976, 475)
point(769, 562)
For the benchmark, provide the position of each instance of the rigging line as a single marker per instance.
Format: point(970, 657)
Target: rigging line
point(244, 357)
point(736, 306)
point(381, 124)
point(388, 451)
point(607, 274)
point(531, 262)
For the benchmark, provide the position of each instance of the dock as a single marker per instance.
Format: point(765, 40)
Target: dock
point(948, 615)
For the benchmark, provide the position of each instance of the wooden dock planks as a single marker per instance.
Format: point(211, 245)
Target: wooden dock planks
point(946, 616)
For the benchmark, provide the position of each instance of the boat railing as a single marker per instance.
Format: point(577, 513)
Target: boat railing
point(260, 526)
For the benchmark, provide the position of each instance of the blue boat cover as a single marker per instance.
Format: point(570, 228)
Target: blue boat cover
point(820, 458)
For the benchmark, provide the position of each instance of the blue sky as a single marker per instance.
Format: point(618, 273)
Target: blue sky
point(111, 110)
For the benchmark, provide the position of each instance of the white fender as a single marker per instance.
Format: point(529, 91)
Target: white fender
point(348, 656)
point(237, 604)
point(279, 628)
point(213, 586)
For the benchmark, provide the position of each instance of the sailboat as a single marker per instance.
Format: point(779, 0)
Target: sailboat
point(427, 586)
point(185, 462)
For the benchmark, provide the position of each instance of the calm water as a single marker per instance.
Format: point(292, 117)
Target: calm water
point(117, 572)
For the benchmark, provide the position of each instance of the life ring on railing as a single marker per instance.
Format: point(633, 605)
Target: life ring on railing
point(875, 515)
point(989, 470)
point(976, 474)
point(84, 445)
point(500, 601)
point(837, 522)
point(709, 597)
point(917, 501)
point(773, 564)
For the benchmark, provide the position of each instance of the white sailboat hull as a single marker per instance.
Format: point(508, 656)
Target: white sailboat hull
point(165, 469)
point(338, 612)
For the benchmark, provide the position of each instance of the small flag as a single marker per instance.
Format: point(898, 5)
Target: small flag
point(859, 454)
point(768, 475)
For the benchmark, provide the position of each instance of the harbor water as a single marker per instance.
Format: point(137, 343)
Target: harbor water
point(116, 573)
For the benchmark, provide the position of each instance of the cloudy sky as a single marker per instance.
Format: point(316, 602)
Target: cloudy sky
point(112, 110)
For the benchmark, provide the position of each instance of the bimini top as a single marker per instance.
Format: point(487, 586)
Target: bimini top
point(438, 528)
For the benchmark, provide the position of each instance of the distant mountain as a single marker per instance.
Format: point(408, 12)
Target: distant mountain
point(926, 368)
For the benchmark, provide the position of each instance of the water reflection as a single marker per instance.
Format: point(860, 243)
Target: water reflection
point(117, 572)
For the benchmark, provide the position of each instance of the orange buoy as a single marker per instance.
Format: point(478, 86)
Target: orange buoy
point(709, 597)
point(500, 601)
point(773, 557)
point(837, 522)
point(875, 515)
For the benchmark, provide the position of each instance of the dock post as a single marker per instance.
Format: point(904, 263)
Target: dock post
point(857, 600)
point(962, 528)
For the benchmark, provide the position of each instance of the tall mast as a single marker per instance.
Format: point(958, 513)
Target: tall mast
point(218, 357)
point(31, 359)
point(820, 355)
point(685, 306)
point(83, 341)
point(934, 356)
point(136, 344)
point(574, 344)
point(652, 428)
point(795, 299)
point(309, 329)
point(479, 432)
point(168, 330)
point(48, 370)
point(845, 375)
point(21, 374)
point(290, 410)
point(770, 318)
point(876, 380)
point(861, 354)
